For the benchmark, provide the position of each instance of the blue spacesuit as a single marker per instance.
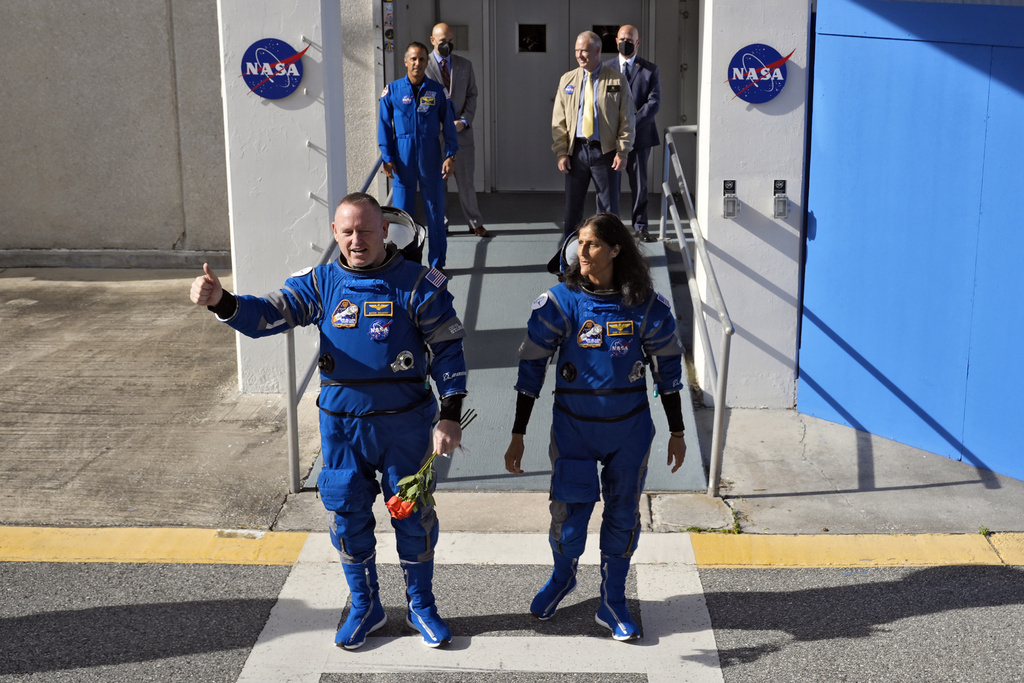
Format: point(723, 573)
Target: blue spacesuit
point(376, 406)
point(601, 414)
point(407, 133)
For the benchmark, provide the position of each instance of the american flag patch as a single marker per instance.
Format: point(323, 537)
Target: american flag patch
point(663, 300)
point(436, 277)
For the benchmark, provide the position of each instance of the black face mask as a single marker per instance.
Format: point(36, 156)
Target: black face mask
point(445, 48)
point(625, 48)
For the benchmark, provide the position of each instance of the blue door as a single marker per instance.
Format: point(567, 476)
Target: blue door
point(913, 281)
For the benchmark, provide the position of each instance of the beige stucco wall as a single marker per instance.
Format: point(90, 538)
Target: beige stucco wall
point(113, 134)
point(111, 127)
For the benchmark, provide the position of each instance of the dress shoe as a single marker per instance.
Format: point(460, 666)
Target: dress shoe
point(479, 231)
point(645, 236)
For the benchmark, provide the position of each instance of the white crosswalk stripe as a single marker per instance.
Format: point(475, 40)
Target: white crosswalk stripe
point(297, 643)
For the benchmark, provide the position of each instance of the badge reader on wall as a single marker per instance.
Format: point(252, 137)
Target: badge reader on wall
point(730, 204)
point(780, 202)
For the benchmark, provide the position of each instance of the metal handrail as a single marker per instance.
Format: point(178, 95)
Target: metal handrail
point(295, 392)
point(719, 376)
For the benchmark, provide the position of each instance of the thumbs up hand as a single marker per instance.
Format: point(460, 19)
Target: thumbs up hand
point(206, 289)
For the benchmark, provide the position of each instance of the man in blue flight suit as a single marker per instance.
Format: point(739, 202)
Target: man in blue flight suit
point(379, 317)
point(412, 111)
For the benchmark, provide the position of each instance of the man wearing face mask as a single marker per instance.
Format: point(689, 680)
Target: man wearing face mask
point(456, 73)
point(645, 87)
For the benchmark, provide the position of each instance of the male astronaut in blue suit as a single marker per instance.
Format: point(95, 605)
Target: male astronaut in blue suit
point(387, 326)
point(412, 112)
point(645, 87)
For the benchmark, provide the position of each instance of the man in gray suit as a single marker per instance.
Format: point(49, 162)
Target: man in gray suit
point(456, 73)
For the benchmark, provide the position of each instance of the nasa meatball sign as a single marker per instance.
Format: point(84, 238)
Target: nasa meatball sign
point(757, 73)
point(272, 68)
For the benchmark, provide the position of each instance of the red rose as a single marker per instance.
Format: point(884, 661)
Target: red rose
point(400, 509)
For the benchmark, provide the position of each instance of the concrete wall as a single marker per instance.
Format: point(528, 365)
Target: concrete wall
point(364, 81)
point(111, 133)
point(756, 257)
point(281, 185)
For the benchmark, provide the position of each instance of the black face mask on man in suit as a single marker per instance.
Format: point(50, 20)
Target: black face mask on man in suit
point(445, 48)
point(625, 48)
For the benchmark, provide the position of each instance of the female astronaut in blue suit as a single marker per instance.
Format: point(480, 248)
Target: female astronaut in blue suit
point(607, 324)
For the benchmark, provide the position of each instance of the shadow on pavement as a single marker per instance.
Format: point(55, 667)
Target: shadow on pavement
point(867, 602)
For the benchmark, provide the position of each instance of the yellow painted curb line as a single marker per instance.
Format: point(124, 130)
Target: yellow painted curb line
point(862, 550)
point(1010, 547)
point(185, 546)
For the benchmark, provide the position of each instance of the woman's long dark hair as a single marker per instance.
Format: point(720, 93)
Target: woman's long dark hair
point(630, 271)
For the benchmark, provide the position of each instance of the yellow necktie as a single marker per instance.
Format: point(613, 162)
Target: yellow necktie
point(588, 106)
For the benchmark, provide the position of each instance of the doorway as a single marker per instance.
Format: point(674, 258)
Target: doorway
point(532, 47)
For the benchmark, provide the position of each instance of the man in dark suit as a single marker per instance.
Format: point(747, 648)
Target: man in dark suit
point(646, 90)
point(456, 73)
point(591, 130)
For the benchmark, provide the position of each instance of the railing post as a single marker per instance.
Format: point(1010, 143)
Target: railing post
point(669, 150)
point(293, 416)
point(719, 372)
point(718, 432)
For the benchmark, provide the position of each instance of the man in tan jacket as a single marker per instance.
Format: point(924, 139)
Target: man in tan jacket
point(592, 129)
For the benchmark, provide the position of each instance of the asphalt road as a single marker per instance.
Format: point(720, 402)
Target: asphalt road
point(200, 622)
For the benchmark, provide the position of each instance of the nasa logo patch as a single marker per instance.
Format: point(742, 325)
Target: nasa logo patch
point(380, 330)
point(407, 99)
point(619, 348)
point(757, 73)
point(570, 89)
point(272, 68)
